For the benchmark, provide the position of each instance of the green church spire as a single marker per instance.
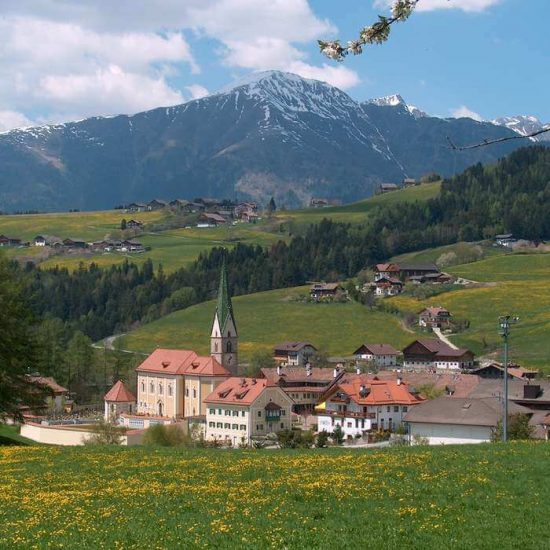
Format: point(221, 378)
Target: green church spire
point(224, 309)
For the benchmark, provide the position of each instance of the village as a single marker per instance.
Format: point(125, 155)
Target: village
point(430, 392)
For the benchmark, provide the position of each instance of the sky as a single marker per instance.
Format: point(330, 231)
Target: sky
point(66, 60)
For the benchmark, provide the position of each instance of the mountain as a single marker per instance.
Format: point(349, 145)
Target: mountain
point(272, 134)
point(396, 100)
point(524, 125)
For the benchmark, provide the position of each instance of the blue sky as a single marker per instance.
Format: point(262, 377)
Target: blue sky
point(69, 59)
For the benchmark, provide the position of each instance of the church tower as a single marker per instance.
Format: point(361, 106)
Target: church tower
point(224, 339)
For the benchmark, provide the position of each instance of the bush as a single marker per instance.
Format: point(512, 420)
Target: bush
point(518, 428)
point(166, 436)
point(106, 433)
point(337, 435)
point(295, 439)
point(322, 439)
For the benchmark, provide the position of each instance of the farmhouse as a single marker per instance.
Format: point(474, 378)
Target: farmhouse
point(210, 219)
point(47, 240)
point(431, 317)
point(381, 355)
point(156, 204)
point(387, 188)
point(452, 420)
point(9, 241)
point(434, 354)
point(241, 409)
point(58, 397)
point(359, 404)
point(136, 207)
point(134, 224)
point(181, 204)
point(496, 370)
point(303, 384)
point(409, 182)
point(408, 270)
point(318, 291)
point(75, 243)
point(388, 286)
point(294, 353)
point(318, 203)
point(386, 271)
point(507, 240)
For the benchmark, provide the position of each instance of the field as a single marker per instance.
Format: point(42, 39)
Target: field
point(268, 318)
point(519, 285)
point(9, 435)
point(482, 496)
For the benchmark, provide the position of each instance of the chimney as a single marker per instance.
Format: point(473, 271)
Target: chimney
point(335, 372)
point(308, 369)
point(278, 370)
point(531, 391)
point(399, 380)
point(357, 369)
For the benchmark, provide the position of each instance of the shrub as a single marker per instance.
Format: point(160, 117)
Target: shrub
point(106, 433)
point(337, 435)
point(295, 439)
point(166, 436)
point(322, 439)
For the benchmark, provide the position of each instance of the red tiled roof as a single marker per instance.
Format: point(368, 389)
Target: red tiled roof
point(434, 311)
point(387, 267)
point(379, 392)
point(237, 391)
point(119, 393)
point(172, 361)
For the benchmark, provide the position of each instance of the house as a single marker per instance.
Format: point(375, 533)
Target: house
point(360, 404)
point(102, 245)
point(381, 355)
point(136, 207)
point(156, 204)
point(386, 271)
point(409, 182)
point(58, 398)
point(318, 203)
point(210, 219)
point(318, 291)
point(387, 188)
point(452, 420)
point(47, 240)
point(250, 217)
point(130, 246)
point(431, 317)
point(434, 354)
point(496, 370)
point(75, 243)
point(9, 241)
point(134, 224)
point(118, 400)
point(240, 410)
point(294, 353)
point(303, 384)
point(180, 204)
point(507, 240)
point(408, 270)
point(388, 286)
point(433, 278)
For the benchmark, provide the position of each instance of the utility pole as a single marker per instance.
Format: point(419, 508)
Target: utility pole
point(504, 330)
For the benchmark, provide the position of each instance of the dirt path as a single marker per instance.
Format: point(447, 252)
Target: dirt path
point(443, 338)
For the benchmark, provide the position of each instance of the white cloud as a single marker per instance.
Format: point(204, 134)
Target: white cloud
point(429, 5)
point(13, 119)
point(464, 112)
point(197, 91)
point(337, 75)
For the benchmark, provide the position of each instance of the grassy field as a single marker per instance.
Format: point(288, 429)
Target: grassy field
point(521, 287)
point(482, 496)
point(268, 318)
point(9, 435)
point(355, 212)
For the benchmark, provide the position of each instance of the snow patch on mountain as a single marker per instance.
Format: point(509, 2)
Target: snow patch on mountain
point(395, 100)
point(524, 125)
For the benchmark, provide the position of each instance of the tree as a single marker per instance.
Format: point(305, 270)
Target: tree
point(271, 207)
point(261, 360)
point(518, 428)
point(322, 439)
point(80, 361)
point(106, 433)
point(123, 224)
point(337, 435)
point(18, 349)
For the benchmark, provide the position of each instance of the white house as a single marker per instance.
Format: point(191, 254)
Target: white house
point(241, 409)
point(453, 420)
point(381, 355)
point(359, 404)
point(119, 400)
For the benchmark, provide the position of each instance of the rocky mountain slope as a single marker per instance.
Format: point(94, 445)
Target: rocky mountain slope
point(272, 134)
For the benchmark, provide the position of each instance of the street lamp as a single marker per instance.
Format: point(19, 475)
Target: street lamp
point(504, 330)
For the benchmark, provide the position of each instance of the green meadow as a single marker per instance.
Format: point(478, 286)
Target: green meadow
point(466, 496)
point(516, 284)
point(265, 319)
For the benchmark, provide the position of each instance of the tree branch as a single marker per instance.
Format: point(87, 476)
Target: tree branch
point(491, 141)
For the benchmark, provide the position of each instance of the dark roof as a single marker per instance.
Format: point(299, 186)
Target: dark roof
point(504, 236)
point(440, 348)
point(293, 346)
point(299, 374)
point(462, 411)
point(418, 267)
point(377, 349)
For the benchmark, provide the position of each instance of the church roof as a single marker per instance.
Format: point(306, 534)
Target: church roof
point(119, 393)
point(180, 361)
point(224, 308)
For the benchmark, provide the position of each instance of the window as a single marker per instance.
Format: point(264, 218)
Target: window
point(194, 393)
point(243, 413)
point(219, 425)
point(405, 409)
point(395, 409)
point(186, 392)
point(227, 426)
point(160, 388)
point(283, 412)
point(216, 347)
point(143, 387)
point(234, 426)
point(243, 427)
point(282, 425)
point(152, 387)
point(349, 424)
point(259, 413)
point(388, 409)
point(228, 347)
point(170, 390)
point(235, 413)
point(259, 427)
point(212, 411)
point(227, 413)
point(219, 411)
point(211, 424)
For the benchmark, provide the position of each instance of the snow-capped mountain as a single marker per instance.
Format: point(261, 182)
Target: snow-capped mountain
point(273, 134)
point(524, 125)
point(396, 100)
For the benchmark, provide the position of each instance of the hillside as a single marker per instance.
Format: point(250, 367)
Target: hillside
point(265, 319)
point(478, 496)
point(275, 134)
point(514, 284)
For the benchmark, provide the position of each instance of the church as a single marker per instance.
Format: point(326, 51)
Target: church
point(172, 384)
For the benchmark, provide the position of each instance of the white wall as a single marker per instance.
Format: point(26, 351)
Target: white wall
point(440, 434)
